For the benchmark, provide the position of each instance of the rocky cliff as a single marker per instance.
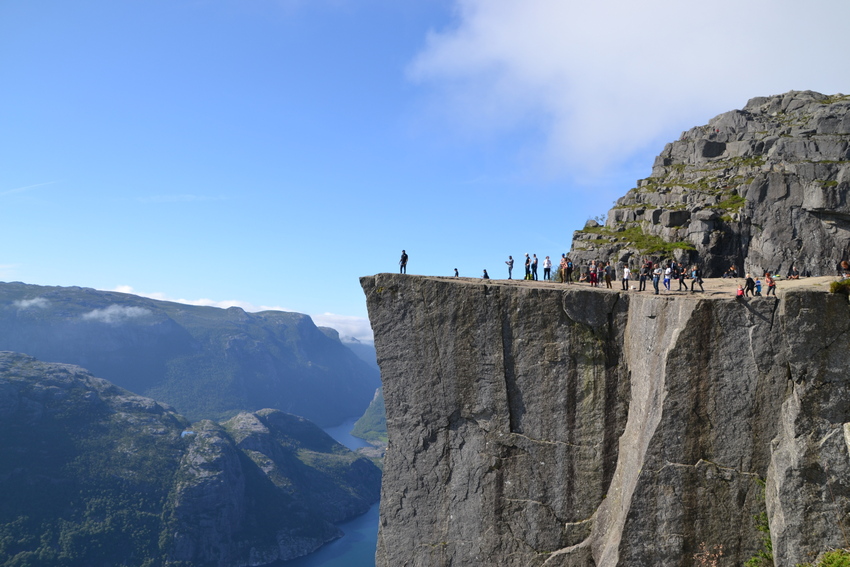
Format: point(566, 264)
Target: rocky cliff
point(761, 188)
point(92, 474)
point(531, 424)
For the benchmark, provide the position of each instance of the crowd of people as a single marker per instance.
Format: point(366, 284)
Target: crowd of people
point(662, 273)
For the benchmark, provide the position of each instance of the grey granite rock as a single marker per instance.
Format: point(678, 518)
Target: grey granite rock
point(535, 425)
point(761, 188)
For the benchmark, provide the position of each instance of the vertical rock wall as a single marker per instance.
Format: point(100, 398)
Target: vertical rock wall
point(537, 425)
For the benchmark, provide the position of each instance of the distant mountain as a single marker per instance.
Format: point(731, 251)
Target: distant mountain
point(92, 475)
point(372, 425)
point(206, 362)
point(363, 349)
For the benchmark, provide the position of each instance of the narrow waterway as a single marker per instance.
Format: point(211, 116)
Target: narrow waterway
point(357, 547)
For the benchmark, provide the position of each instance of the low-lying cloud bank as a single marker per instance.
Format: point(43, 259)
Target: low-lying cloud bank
point(115, 314)
point(34, 303)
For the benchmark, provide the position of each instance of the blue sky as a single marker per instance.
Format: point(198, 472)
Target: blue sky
point(267, 153)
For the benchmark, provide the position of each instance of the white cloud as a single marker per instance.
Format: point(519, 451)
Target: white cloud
point(115, 314)
point(604, 80)
point(346, 325)
point(34, 303)
point(203, 302)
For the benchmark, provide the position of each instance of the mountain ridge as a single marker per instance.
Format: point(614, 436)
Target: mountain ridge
point(93, 474)
point(205, 361)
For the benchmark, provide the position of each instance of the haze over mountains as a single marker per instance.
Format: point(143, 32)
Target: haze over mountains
point(206, 362)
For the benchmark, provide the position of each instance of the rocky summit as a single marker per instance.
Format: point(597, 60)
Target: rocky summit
point(761, 188)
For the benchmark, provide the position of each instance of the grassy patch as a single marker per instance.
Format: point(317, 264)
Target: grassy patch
point(733, 203)
point(635, 237)
point(835, 98)
point(835, 558)
point(842, 286)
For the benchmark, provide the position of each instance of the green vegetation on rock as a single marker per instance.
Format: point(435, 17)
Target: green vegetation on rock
point(373, 425)
point(835, 558)
point(634, 237)
point(92, 474)
point(842, 286)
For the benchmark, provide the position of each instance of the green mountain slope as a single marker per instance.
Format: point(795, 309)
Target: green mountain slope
point(372, 425)
point(206, 362)
point(92, 475)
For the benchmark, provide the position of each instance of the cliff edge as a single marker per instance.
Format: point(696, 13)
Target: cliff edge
point(531, 423)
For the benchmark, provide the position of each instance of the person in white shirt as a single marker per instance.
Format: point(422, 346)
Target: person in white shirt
point(627, 274)
point(547, 269)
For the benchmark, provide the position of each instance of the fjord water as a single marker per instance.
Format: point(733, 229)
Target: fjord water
point(357, 547)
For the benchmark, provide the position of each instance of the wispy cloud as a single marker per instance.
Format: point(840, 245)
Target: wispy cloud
point(26, 188)
point(346, 325)
point(180, 198)
point(34, 303)
point(116, 314)
point(7, 270)
point(602, 81)
point(203, 302)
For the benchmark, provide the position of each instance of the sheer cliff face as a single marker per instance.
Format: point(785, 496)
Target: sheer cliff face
point(535, 425)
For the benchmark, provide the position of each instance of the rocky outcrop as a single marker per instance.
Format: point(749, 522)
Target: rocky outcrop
point(531, 424)
point(763, 188)
point(92, 474)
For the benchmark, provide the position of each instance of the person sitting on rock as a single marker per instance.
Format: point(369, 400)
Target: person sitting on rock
point(793, 273)
point(740, 293)
point(845, 269)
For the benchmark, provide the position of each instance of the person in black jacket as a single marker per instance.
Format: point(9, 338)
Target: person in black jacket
point(749, 286)
point(696, 274)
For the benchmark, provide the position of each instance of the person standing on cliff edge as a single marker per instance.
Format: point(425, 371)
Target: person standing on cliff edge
point(402, 264)
point(510, 263)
